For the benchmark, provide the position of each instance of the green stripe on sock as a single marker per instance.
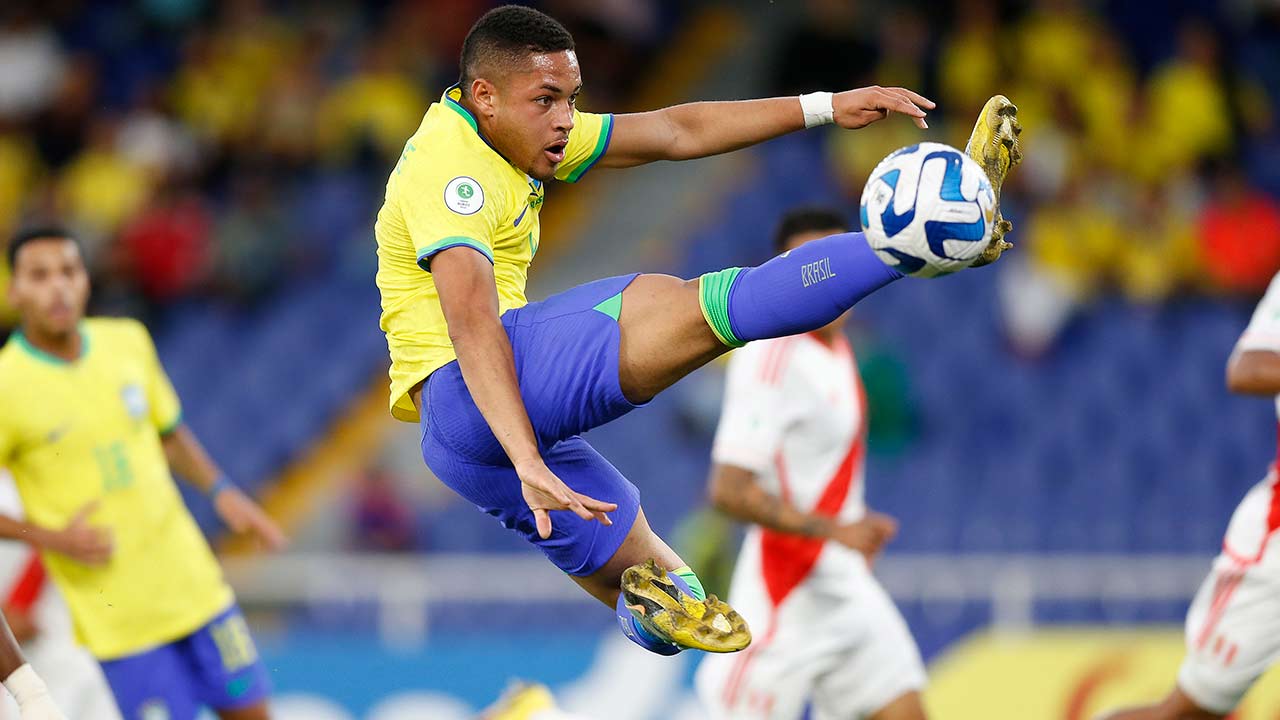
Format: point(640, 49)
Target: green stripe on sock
point(611, 307)
point(713, 296)
point(695, 585)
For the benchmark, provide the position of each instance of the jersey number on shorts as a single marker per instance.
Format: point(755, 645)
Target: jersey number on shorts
point(235, 645)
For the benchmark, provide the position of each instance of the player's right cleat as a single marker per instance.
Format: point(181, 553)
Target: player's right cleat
point(993, 144)
point(668, 611)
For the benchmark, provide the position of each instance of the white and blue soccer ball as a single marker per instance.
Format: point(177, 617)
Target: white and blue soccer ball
point(928, 210)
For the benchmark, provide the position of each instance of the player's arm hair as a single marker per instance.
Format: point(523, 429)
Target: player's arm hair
point(1254, 372)
point(735, 491)
point(469, 298)
point(700, 129)
point(189, 460)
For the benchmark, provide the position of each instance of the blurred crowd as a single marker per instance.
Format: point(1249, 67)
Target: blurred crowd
point(219, 148)
point(1152, 140)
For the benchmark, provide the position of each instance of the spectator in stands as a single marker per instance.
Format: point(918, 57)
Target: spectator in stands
point(1239, 233)
point(382, 521)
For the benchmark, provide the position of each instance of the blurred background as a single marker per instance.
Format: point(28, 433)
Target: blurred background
point(1053, 432)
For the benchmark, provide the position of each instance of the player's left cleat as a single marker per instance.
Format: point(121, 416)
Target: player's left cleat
point(670, 612)
point(994, 145)
point(521, 701)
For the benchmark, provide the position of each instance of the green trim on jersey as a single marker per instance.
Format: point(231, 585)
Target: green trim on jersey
point(713, 297)
point(602, 144)
point(43, 356)
point(452, 241)
point(611, 307)
point(168, 429)
point(466, 114)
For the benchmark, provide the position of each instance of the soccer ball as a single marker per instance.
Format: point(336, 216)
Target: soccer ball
point(928, 210)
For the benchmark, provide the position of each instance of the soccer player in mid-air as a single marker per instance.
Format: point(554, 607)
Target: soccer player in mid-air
point(789, 458)
point(502, 389)
point(1233, 625)
point(90, 428)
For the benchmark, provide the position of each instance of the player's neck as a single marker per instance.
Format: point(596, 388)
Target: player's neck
point(830, 334)
point(66, 346)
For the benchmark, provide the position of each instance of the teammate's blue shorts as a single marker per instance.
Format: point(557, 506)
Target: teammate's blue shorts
point(217, 666)
point(566, 358)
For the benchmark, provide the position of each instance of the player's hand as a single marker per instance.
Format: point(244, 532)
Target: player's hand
point(859, 108)
point(243, 515)
point(544, 492)
point(81, 541)
point(868, 535)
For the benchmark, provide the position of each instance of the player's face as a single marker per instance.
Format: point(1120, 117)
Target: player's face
point(808, 236)
point(533, 113)
point(50, 286)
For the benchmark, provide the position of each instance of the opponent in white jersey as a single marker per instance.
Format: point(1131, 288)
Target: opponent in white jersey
point(789, 458)
point(1233, 626)
point(42, 623)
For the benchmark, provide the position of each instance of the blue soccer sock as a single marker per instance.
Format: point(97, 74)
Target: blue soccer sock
point(688, 582)
point(796, 292)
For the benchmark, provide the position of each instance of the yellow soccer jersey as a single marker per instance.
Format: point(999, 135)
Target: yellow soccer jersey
point(452, 188)
point(89, 431)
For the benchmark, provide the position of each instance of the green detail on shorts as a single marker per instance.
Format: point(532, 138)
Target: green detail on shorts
point(713, 296)
point(611, 307)
point(602, 142)
point(695, 585)
point(466, 115)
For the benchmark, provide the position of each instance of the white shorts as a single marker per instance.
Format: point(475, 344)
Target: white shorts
point(1233, 626)
point(848, 656)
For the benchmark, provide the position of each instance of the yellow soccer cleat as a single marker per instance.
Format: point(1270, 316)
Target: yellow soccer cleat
point(993, 144)
point(521, 701)
point(669, 612)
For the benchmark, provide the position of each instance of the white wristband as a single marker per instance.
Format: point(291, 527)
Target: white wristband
point(25, 685)
point(817, 108)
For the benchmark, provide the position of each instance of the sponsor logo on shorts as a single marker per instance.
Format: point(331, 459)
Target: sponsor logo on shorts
point(155, 709)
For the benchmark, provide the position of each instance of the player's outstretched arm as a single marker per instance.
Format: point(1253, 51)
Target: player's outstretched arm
point(22, 682)
point(469, 299)
point(735, 492)
point(1254, 372)
point(188, 458)
point(695, 130)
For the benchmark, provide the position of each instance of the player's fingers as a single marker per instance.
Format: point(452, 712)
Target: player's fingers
point(270, 533)
point(894, 102)
point(579, 509)
point(543, 520)
point(597, 505)
point(916, 98)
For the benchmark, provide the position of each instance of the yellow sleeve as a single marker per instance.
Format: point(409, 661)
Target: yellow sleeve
point(445, 206)
point(166, 410)
point(588, 142)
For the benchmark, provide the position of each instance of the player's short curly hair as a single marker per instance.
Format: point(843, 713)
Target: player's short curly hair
point(807, 219)
point(505, 36)
point(35, 232)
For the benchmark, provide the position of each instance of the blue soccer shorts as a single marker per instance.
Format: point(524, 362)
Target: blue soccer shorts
point(566, 358)
point(217, 666)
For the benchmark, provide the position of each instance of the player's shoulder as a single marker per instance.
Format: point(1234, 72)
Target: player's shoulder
point(116, 332)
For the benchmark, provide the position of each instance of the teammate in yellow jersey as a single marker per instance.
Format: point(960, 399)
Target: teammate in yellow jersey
point(502, 389)
point(90, 427)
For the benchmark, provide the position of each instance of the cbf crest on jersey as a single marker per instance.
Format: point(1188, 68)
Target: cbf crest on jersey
point(135, 401)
